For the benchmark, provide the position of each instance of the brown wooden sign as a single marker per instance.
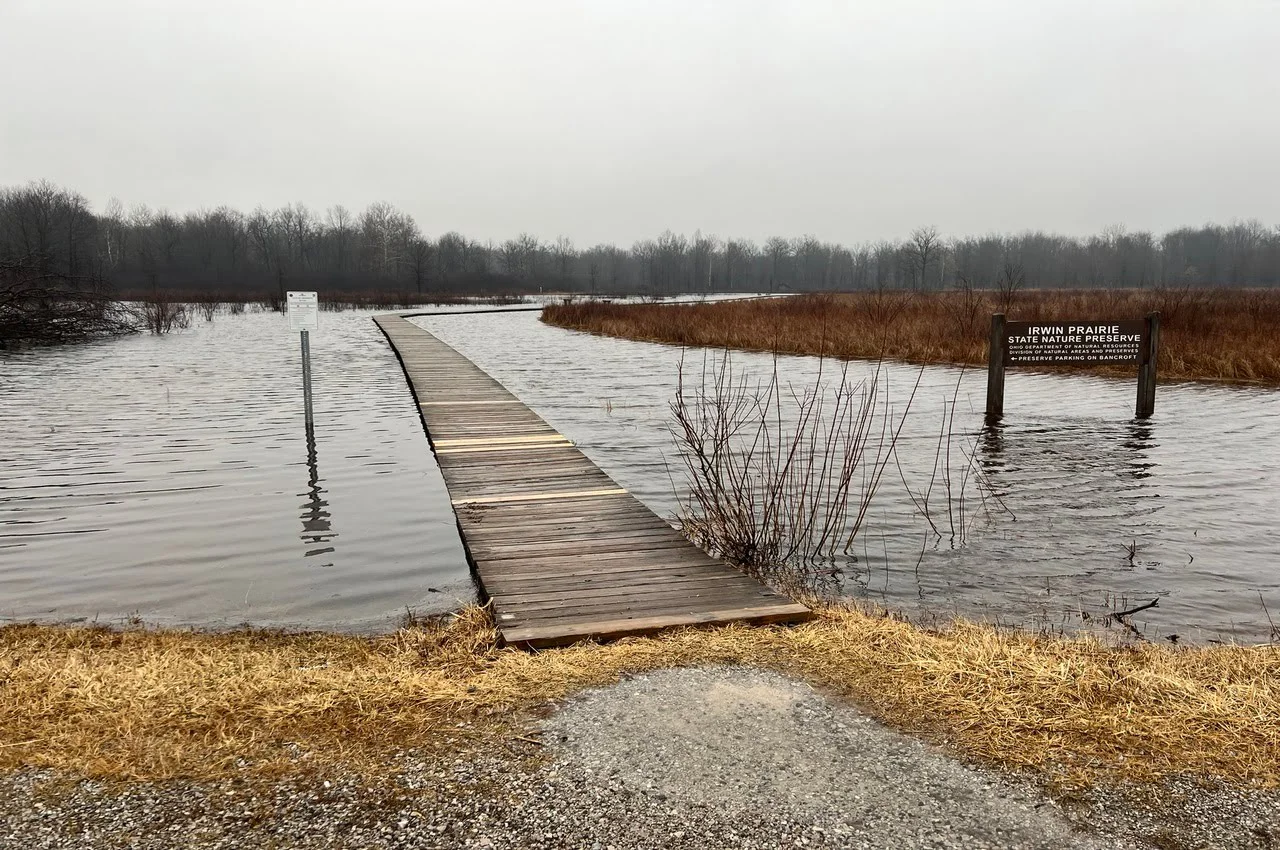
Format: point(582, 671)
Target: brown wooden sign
point(1073, 343)
point(1078, 343)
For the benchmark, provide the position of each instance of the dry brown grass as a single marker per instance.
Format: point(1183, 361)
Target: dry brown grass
point(1206, 335)
point(155, 704)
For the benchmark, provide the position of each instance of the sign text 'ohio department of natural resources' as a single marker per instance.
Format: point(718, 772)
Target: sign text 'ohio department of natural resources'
point(1075, 342)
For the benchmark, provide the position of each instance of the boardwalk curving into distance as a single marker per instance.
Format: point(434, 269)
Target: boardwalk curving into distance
point(562, 551)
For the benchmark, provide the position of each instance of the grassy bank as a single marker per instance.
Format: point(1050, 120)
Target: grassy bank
point(1207, 335)
point(156, 704)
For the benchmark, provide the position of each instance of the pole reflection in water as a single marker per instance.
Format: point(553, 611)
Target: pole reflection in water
point(991, 448)
point(1096, 477)
point(1140, 441)
point(1078, 463)
point(317, 530)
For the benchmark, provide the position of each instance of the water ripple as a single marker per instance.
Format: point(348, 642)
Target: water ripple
point(1196, 488)
point(172, 477)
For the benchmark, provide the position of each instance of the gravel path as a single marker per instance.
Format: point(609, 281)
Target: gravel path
point(703, 758)
point(751, 744)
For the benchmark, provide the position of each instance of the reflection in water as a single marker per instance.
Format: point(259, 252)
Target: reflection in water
point(316, 528)
point(119, 455)
point(1082, 499)
point(991, 448)
point(1140, 441)
point(183, 456)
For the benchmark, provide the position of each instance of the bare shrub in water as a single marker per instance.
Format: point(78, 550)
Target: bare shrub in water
point(955, 472)
point(208, 308)
point(780, 478)
point(272, 300)
point(161, 315)
point(40, 306)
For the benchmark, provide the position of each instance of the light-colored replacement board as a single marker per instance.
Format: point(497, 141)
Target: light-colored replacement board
point(563, 552)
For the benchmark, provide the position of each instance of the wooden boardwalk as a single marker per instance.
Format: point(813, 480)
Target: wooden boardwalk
point(562, 551)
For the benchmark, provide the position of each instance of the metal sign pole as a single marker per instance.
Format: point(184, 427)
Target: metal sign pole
point(306, 376)
point(304, 313)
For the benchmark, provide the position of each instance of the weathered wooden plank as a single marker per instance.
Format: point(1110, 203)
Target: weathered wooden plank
point(586, 554)
point(532, 533)
point(599, 558)
point(566, 568)
point(568, 585)
point(645, 604)
point(640, 540)
point(511, 480)
point(590, 587)
point(563, 552)
point(563, 510)
point(557, 633)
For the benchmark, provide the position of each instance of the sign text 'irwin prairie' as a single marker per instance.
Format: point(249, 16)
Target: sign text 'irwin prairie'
point(1074, 342)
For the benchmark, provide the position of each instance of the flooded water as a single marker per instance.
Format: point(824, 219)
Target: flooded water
point(1194, 491)
point(171, 479)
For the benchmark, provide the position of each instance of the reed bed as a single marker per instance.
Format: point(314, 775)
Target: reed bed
point(1225, 335)
point(150, 704)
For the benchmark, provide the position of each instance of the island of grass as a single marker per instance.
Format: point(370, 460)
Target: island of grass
point(1218, 335)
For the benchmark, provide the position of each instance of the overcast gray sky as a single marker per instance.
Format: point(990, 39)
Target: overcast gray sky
point(611, 121)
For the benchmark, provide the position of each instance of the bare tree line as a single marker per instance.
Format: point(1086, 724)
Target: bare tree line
point(382, 248)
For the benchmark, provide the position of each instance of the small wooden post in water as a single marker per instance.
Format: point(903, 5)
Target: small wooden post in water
point(995, 370)
point(1147, 367)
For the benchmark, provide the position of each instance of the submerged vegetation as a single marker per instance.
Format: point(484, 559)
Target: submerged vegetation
point(780, 478)
point(47, 308)
point(158, 704)
point(43, 306)
point(1206, 334)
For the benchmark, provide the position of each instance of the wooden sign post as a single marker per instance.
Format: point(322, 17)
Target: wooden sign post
point(1073, 343)
point(995, 370)
point(1147, 367)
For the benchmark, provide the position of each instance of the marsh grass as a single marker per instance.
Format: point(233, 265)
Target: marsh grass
point(1206, 334)
point(144, 704)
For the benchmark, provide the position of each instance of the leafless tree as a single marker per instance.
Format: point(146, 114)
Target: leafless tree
point(565, 254)
point(923, 249)
point(421, 252)
point(530, 255)
point(778, 250)
point(739, 255)
point(341, 227)
point(1011, 280)
point(701, 262)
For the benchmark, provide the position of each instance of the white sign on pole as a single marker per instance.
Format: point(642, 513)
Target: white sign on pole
point(304, 311)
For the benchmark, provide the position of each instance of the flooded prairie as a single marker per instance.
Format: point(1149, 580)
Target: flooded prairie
point(171, 479)
point(1100, 513)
